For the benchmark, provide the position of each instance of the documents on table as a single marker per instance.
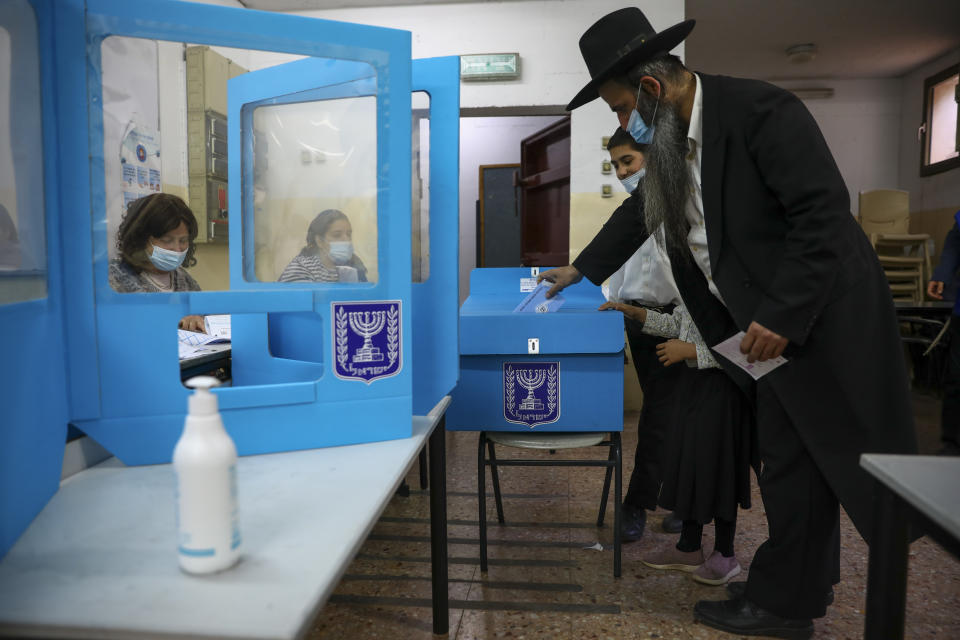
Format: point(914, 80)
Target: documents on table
point(191, 343)
point(537, 301)
point(730, 349)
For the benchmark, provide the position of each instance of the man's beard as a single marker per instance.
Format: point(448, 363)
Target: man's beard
point(665, 186)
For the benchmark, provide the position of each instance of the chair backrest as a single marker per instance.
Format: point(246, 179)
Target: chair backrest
point(885, 211)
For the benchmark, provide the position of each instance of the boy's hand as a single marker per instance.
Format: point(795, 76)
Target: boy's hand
point(674, 351)
point(636, 313)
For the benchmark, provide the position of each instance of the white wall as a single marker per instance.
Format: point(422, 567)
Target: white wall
point(485, 141)
point(860, 124)
point(545, 33)
point(936, 191)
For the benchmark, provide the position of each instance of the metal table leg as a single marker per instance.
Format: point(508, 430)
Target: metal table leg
point(438, 528)
point(887, 570)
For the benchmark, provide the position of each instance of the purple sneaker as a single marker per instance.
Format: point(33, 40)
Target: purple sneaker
point(672, 558)
point(717, 569)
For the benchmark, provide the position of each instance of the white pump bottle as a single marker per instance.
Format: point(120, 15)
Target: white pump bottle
point(205, 462)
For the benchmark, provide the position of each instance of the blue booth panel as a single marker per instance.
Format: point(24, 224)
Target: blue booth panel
point(436, 290)
point(569, 379)
point(343, 374)
point(33, 393)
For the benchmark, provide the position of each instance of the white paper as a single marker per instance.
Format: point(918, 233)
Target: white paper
point(217, 326)
point(730, 349)
point(527, 284)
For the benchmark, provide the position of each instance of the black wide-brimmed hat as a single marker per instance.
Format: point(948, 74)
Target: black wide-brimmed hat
point(618, 41)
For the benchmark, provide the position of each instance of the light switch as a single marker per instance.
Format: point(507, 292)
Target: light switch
point(604, 141)
point(533, 345)
point(606, 167)
point(606, 191)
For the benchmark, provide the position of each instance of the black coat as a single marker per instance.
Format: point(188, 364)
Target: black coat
point(786, 252)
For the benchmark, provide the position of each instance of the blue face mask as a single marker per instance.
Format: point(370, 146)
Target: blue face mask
point(166, 260)
point(341, 252)
point(637, 128)
point(630, 182)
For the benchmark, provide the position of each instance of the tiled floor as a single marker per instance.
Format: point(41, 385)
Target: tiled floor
point(545, 582)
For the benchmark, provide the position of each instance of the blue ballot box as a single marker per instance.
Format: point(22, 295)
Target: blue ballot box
point(555, 370)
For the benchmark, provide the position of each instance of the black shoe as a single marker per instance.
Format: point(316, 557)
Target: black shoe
point(632, 521)
point(672, 523)
point(744, 618)
point(739, 589)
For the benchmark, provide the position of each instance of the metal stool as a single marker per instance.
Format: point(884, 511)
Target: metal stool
point(552, 441)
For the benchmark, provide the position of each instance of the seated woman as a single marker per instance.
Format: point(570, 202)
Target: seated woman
point(154, 243)
point(328, 255)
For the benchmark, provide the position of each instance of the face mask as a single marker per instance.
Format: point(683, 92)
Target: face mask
point(341, 252)
point(630, 182)
point(637, 128)
point(166, 260)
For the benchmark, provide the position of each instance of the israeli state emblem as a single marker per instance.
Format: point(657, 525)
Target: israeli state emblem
point(531, 392)
point(366, 339)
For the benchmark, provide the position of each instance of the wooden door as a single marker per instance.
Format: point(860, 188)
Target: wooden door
point(544, 181)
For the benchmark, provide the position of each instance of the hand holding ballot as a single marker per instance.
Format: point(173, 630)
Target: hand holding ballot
point(561, 278)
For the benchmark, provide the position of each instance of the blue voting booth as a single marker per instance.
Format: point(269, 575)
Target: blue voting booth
point(522, 370)
point(314, 363)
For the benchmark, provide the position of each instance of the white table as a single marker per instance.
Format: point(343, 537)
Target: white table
point(911, 491)
point(100, 560)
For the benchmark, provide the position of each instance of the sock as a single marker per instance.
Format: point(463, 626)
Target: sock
point(725, 530)
point(690, 536)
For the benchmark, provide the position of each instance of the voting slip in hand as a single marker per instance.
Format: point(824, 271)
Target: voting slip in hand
point(730, 349)
point(537, 301)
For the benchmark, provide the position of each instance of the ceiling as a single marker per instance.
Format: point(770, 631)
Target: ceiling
point(748, 38)
point(854, 38)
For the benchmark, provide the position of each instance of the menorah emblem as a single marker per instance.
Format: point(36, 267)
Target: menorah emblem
point(541, 404)
point(367, 324)
point(367, 341)
point(531, 379)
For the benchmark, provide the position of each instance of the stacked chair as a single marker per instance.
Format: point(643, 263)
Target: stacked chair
point(905, 257)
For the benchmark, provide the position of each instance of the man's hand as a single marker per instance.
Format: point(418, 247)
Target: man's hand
point(762, 344)
point(561, 277)
point(674, 351)
point(192, 323)
point(636, 313)
point(935, 289)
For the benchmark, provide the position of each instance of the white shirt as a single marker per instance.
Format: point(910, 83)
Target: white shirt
point(646, 277)
point(697, 236)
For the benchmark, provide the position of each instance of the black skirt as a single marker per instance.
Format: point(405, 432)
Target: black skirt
point(709, 448)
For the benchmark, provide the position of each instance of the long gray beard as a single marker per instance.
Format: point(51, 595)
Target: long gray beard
point(665, 186)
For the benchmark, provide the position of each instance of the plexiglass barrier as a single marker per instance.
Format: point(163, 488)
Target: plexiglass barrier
point(22, 236)
point(420, 201)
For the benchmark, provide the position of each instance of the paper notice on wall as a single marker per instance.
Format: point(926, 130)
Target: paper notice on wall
point(139, 162)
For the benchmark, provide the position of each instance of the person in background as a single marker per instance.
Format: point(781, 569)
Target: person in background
point(155, 242)
point(708, 447)
point(946, 272)
point(328, 255)
point(645, 281)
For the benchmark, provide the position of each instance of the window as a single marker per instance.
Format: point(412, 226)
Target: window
point(938, 133)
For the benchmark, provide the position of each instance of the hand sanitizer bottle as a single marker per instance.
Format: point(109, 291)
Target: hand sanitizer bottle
point(205, 462)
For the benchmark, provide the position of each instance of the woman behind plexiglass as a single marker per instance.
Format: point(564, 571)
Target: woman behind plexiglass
point(154, 242)
point(328, 255)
